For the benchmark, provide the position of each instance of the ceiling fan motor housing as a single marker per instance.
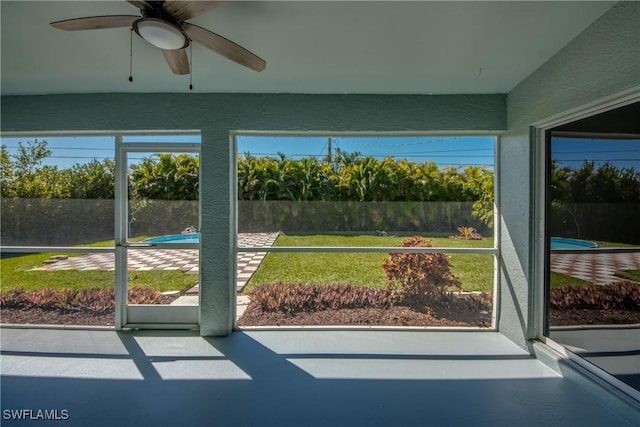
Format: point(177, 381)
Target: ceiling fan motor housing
point(161, 29)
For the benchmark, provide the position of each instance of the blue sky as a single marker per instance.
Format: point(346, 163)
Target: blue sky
point(444, 151)
point(572, 152)
point(455, 151)
point(67, 151)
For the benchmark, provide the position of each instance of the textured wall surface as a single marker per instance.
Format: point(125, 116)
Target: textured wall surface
point(215, 116)
point(601, 61)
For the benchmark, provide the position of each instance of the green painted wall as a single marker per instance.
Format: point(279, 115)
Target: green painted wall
point(216, 115)
point(600, 62)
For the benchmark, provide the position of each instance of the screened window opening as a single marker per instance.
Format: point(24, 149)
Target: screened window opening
point(61, 229)
point(366, 230)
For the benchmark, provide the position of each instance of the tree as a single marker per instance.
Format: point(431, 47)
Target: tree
point(572, 189)
point(7, 173)
point(478, 184)
point(93, 180)
point(29, 159)
point(25, 175)
point(165, 177)
point(350, 177)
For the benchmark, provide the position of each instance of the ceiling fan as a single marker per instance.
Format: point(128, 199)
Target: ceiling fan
point(163, 24)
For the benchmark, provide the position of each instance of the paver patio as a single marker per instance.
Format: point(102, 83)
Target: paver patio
point(598, 268)
point(170, 259)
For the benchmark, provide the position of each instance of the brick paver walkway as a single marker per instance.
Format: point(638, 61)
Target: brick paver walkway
point(598, 268)
point(170, 259)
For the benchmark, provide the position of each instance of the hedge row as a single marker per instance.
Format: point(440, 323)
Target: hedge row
point(77, 221)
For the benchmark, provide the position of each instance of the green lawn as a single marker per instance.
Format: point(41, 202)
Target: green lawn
point(559, 280)
point(606, 244)
point(474, 270)
point(629, 275)
point(15, 273)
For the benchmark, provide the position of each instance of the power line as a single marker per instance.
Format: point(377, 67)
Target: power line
point(79, 157)
point(483, 164)
point(594, 160)
point(373, 155)
point(595, 151)
point(462, 150)
point(67, 148)
point(387, 154)
point(403, 152)
point(430, 141)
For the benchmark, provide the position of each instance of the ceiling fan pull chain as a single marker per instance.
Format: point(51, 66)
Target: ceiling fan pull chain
point(131, 56)
point(191, 66)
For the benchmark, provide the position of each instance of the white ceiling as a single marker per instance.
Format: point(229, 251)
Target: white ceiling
point(418, 47)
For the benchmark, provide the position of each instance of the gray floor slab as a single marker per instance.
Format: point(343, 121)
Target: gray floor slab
point(613, 349)
point(288, 378)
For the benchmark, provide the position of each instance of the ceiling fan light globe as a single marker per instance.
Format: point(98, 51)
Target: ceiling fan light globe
point(161, 34)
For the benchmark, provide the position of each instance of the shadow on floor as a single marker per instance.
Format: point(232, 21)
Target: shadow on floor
point(293, 378)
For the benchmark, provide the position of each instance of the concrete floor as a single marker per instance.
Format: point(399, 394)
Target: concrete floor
point(613, 349)
point(290, 378)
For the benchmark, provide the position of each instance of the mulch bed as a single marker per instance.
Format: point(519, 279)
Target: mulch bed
point(593, 317)
point(394, 316)
point(38, 316)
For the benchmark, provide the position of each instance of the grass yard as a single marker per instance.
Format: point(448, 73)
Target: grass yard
point(365, 269)
point(606, 244)
point(16, 273)
point(629, 275)
point(559, 280)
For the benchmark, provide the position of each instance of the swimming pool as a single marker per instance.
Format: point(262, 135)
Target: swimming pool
point(175, 238)
point(556, 242)
point(564, 243)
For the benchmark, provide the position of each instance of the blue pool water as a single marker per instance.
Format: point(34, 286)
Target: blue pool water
point(175, 238)
point(563, 243)
point(556, 242)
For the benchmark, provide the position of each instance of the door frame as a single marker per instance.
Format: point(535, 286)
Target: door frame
point(539, 158)
point(144, 316)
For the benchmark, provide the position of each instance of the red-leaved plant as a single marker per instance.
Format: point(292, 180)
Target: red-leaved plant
point(420, 278)
point(623, 295)
point(294, 298)
point(93, 299)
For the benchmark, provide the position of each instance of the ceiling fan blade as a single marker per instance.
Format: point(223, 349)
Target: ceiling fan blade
point(183, 10)
point(224, 47)
point(95, 22)
point(177, 60)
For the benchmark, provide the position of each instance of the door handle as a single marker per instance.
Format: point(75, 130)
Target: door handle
point(137, 245)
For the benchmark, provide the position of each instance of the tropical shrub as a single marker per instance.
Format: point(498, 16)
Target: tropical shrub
point(165, 177)
point(345, 177)
point(291, 298)
point(467, 233)
point(594, 202)
point(623, 295)
point(423, 278)
point(93, 299)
